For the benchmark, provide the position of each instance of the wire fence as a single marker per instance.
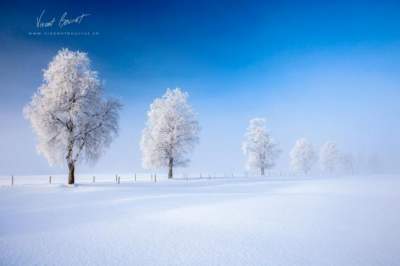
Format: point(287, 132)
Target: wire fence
point(15, 180)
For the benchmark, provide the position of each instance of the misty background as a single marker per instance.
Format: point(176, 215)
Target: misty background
point(319, 71)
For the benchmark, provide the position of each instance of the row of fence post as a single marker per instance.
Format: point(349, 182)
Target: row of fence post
point(153, 177)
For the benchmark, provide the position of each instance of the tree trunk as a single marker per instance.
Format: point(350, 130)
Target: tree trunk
point(262, 171)
point(170, 166)
point(71, 173)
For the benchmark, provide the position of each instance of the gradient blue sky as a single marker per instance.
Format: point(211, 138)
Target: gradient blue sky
point(325, 71)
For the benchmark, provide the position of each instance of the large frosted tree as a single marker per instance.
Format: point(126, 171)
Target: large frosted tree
point(302, 156)
point(171, 132)
point(329, 157)
point(69, 114)
point(259, 148)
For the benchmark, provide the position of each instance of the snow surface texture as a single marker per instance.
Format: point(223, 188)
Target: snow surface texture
point(230, 221)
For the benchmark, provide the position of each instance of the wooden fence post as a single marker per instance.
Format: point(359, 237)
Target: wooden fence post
point(50, 180)
point(12, 180)
point(135, 177)
point(155, 178)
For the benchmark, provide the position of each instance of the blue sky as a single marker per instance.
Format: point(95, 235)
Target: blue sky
point(325, 71)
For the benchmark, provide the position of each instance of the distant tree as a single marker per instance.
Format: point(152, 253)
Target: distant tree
point(374, 163)
point(302, 156)
point(68, 113)
point(260, 149)
point(171, 132)
point(347, 162)
point(329, 157)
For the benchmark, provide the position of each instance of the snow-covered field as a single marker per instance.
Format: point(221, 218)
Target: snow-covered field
point(229, 221)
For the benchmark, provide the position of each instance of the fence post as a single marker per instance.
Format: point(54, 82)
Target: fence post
point(94, 179)
point(12, 180)
point(155, 178)
point(135, 177)
point(50, 180)
point(119, 179)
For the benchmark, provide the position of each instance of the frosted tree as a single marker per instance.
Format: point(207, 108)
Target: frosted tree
point(329, 157)
point(302, 156)
point(171, 132)
point(347, 163)
point(374, 163)
point(68, 113)
point(259, 148)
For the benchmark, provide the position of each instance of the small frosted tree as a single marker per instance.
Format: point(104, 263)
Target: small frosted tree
point(374, 163)
point(171, 132)
point(302, 156)
point(329, 157)
point(68, 113)
point(259, 148)
point(347, 163)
